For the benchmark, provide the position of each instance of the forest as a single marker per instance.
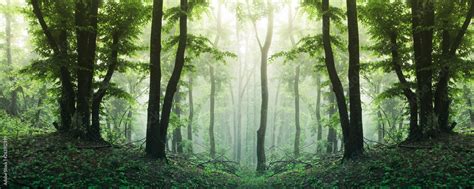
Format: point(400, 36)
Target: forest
point(236, 93)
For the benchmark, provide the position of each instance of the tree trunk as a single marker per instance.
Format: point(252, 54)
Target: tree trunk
point(211, 109)
point(334, 78)
point(99, 95)
point(442, 101)
point(86, 32)
point(128, 126)
point(261, 159)
point(414, 129)
point(13, 105)
point(318, 108)
point(174, 80)
point(67, 99)
point(332, 135)
point(177, 136)
point(355, 145)
point(275, 113)
point(422, 31)
point(155, 141)
point(467, 97)
point(191, 115)
point(296, 149)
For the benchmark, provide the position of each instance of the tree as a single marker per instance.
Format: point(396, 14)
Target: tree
point(13, 104)
point(155, 140)
point(356, 135)
point(173, 82)
point(59, 46)
point(264, 48)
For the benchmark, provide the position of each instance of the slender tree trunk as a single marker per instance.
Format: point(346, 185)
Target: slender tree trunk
point(318, 108)
point(261, 159)
point(296, 150)
point(177, 136)
point(13, 105)
point(174, 80)
point(128, 129)
point(211, 109)
point(449, 48)
point(99, 95)
point(155, 140)
point(191, 115)
point(467, 97)
point(356, 135)
point(332, 135)
point(334, 78)
point(275, 113)
point(59, 46)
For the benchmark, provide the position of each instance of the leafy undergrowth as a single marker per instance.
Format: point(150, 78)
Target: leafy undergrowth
point(443, 162)
point(56, 161)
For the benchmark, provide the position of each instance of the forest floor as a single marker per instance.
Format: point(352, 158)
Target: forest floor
point(57, 161)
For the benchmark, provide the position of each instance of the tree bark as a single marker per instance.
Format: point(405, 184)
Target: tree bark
point(99, 95)
point(414, 129)
point(296, 149)
point(86, 32)
point(275, 113)
point(155, 139)
point(211, 109)
point(261, 159)
point(177, 136)
point(174, 80)
point(67, 100)
point(191, 114)
point(318, 107)
point(356, 135)
point(332, 135)
point(467, 97)
point(442, 101)
point(13, 105)
point(334, 78)
point(422, 31)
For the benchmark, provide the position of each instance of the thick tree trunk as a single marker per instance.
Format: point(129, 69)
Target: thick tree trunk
point(296, 147)
point(154, 139)
point(86, 32)
point(334, 78)
point(174, 80)
point(422, 30)
point(261, 159)
point(191, 115)
point(356, 135)
point(211, 109)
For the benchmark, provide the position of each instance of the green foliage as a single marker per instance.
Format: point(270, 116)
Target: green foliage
point(66, 162)
point(197, 46)
point(13, 127)
point(314, 10)
point(311, 45)
point(441, 163)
